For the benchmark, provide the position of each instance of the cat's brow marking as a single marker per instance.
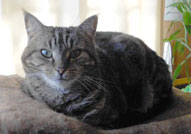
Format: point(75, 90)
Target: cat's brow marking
point(70, 41)
point(64, 38)
point(50, 44)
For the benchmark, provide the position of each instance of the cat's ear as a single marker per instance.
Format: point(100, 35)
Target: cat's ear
point(32, 24)
point(89, 26)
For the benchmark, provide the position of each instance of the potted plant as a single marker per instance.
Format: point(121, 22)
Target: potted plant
point(181, 43)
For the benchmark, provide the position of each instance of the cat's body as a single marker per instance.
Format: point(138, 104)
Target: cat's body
point(115, 80)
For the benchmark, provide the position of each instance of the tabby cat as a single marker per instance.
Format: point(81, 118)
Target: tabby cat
point(106, 79)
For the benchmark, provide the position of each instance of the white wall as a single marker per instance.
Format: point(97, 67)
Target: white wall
point(136, 17)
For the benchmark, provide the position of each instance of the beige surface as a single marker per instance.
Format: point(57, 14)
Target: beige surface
point(19, 114)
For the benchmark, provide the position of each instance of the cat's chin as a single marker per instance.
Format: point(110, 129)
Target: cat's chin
point(61, 79)
point(59, 84)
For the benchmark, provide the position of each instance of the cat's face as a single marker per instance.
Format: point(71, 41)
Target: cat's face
point(59, 55)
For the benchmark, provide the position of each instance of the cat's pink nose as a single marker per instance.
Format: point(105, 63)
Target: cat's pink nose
point(60, 70)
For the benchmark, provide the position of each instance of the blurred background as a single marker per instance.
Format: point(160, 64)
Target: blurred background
point(140, 18)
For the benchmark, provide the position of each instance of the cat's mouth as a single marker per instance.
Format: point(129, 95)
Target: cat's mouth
point(63, 79)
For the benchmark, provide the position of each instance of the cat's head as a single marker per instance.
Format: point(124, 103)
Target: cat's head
point(59, 55)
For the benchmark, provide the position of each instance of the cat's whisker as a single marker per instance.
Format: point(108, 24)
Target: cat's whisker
point(90, 83)
point(96, 83)
point(105, 81)
point(84, 85)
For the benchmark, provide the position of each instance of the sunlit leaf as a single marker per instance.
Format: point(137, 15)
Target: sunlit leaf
point(183, 43)
point(166, 40)
point(180, 47)
point(187, 72)
point(171, 24)
point(179, 67)
point(188, 28)
point(175, 48)
point(187, 4)
point(187, 57)
point(187, 18)
point(178, 5)
point(177, 71)
point(172, 36)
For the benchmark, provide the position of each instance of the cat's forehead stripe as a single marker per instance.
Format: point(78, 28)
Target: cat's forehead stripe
point(50, 44)
point(62, 38)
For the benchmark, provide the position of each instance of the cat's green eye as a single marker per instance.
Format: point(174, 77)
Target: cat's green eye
point(46, 53)
point(75, 53)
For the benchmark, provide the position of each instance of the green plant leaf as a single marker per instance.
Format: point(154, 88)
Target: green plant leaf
point(172, 36)
point(179, 67)
point(174, 4)
point(175, 48)
point(187, 57)
point(171, 24)
point(187, 18)
point(180, 47)
point(173, 60)
point(179, 5)
point(188, 28)
point(182, 42)
point(187, 4)
point(187, 72)
point(177, 71)
point(166, 40)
